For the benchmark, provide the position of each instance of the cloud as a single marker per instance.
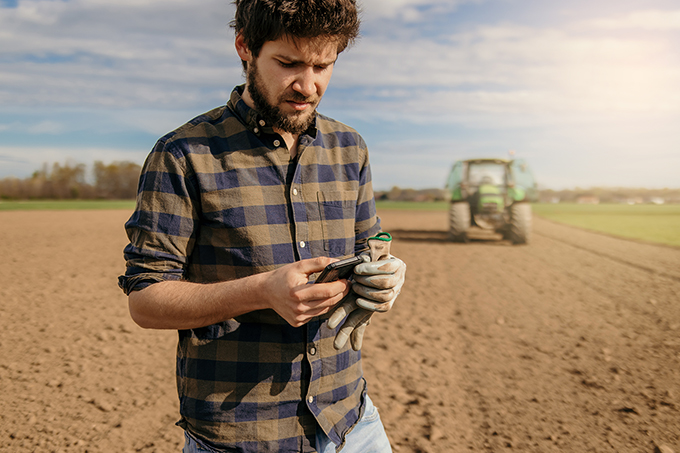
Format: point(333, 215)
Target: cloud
point(540, 73)
point(129, 53)
point(409, 11)
point(651, 20)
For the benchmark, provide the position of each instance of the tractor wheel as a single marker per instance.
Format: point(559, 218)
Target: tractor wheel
point(459, 221)
point(519, 229)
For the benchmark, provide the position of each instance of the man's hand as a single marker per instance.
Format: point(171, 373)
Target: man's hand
point(184, 305)
point(375, 288)
point(377, 283)
point(296, 301)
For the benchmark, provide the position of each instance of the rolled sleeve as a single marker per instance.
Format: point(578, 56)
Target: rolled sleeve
point(162, 228)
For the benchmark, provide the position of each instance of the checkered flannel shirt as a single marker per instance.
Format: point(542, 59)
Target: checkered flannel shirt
point(219, 199)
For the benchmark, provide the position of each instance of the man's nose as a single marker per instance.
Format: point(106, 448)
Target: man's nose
point(305, 82)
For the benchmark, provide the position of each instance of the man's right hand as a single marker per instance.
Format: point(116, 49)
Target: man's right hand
point(184, 305)
point(289, 294)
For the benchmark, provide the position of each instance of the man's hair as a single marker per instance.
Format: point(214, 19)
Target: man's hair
point(260, 21)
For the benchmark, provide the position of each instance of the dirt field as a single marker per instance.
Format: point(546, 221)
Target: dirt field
point(570, 344)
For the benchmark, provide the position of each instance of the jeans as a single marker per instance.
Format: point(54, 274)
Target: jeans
point(367, 436)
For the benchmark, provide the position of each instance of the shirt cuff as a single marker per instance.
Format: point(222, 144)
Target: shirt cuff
point(136, 282)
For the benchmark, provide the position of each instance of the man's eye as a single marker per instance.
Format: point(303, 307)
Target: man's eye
point(286, 65)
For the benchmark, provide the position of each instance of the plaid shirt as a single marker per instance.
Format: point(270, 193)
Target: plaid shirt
point(219, 199)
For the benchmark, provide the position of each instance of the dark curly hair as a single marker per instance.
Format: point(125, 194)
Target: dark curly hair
point(260, 21)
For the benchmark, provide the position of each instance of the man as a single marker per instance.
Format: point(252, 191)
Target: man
point(236, 211)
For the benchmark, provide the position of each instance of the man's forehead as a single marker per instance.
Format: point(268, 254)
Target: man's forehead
point(318, 49)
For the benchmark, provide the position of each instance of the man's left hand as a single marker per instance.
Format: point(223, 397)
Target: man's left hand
point(376, 286)
point(378, 283)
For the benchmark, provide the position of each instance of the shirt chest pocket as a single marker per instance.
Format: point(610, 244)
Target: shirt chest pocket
point(337, 212)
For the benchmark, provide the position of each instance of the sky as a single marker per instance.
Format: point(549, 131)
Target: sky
point(587, 92)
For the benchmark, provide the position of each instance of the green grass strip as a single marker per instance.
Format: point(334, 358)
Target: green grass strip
point(652, 223)
point(646, 222)
point(413, 205)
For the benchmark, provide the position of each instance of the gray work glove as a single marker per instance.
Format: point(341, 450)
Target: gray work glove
point(377, 283)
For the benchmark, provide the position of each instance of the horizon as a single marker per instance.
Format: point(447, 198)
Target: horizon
point(588, 94)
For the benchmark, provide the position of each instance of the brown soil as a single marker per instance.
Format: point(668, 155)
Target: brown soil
point(570, 344)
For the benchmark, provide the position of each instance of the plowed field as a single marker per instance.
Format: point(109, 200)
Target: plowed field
point(569, 344)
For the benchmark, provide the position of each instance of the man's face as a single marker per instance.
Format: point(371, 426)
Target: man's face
point(286, 82)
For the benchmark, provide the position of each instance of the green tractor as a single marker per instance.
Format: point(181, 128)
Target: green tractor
point(491, 194)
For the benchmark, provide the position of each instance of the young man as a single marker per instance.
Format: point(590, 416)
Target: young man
point(236, 210)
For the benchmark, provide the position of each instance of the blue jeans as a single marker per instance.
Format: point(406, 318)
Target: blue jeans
point(367, 436)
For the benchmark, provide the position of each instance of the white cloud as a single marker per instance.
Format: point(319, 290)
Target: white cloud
point(652, 20)
point(505, 69)
point(93, 52)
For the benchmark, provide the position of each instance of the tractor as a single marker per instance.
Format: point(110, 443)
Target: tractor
point(491, 194)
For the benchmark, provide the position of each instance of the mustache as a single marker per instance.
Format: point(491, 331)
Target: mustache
point(299, 97)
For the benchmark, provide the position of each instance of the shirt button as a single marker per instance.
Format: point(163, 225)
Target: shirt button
point(302, 244)
point(310, 399)
point(312, 351)
point(295, 192)
point(277, 143)
point(262, 123)
point(256, 130)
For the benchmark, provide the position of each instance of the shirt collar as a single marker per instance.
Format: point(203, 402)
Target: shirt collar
point(252, 118)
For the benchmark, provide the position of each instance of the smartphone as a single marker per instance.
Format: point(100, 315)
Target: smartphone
point(338, 270)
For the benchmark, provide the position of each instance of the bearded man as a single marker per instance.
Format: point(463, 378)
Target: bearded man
point(237, 210)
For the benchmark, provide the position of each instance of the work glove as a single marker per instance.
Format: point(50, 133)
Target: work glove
point(376, 284)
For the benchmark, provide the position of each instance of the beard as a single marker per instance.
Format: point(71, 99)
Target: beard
point(294, 123)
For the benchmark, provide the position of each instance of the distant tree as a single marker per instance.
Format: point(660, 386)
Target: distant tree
point(60, 182)
point(69, 181)
point(117, 180)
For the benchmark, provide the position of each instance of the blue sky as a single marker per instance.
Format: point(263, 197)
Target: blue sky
point(588, 92)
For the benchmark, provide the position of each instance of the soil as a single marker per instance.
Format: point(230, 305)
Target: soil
point(568, 344)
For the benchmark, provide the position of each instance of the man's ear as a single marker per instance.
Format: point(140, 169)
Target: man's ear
point(242, 49)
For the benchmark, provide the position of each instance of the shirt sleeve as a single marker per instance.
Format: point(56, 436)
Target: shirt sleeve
point(162, 229)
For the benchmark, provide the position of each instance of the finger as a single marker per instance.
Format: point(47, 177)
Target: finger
point(342, 311)
point(300, 313)
point(319, 310)
point(357, 335)
point(311, 265)
point(354, 319)
point(388, 266)
point(378, 281)
point(321, 291)
point(377, 295)
point(373, 306)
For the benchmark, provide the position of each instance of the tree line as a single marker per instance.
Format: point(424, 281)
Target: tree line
point(611, 195)
point(603, 194)
point(70, 181)
point(118, 181)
